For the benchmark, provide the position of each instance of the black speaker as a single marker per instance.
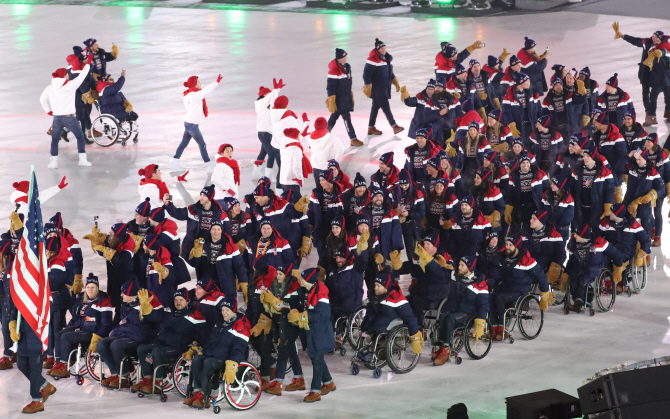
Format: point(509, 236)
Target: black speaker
point(625, 388)
point(655, 410)
point(550, 404)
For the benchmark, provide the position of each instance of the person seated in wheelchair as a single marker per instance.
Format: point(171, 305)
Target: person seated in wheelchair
point(489, 259)
point(387, 305)
point(587, 257)
point(181, 325)
point(206, 297)
point(432, 275)
point(468, 299)
point(519, 272)
point(545, 245)
point(112, 101)
point(645, 189)
point(345, 284)
point(225, 349)
point(627, 237)
point(91, 321)
point(141, 313)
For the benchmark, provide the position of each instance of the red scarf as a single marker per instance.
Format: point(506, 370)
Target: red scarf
point(306, 166)
point(233, 165)
point(204, 103)
point(162, 187)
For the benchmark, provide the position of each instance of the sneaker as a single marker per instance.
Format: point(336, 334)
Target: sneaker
point(189, 400)
point(47, 391)
point(34, 407)
point(275, 388)
point(49, 363)
point(397, 129)
point(296, 384)
point(6, 363)
point(327, 388)
point(175, 166)
point(356, 142)
point(442, 356)
point(374, 131)
point(312, 397)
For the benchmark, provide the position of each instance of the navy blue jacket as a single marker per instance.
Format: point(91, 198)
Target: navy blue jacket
point(539, 184)
point(417, 102)
point(602, 191)
point(345, 284)
point(469, 295)
point(634, 137)
point(349, 203)
point(625, 237)
point(320, 336)
point(590, 263)
point(390, 232)
point(513, 111)
point(520, 276)
point(93, 316)
point(573, 104)
point(136, 329)
point(339, 85)
point(433, 283)
point(229, 342)
point(439, 123)
point(149, 276)
point(489, 263)
point(658, 76)
point(624, 104)
point(279, 251)
point(320, 220)
point(550, 249)
point(378, 71)
point(380, 313)
point(58, 279)
point(560, 213)
point(416, 165)
point(466, 239)
point(417, 204)
point(641, 185)
point(281, 213)
point(111, 99)
point(193, 217)
point(613, 147)
point(180, 328)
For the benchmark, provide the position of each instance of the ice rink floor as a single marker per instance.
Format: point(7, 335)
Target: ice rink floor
point(161, 47)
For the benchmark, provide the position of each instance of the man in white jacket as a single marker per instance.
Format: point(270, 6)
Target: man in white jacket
point(266, 98)
point(58, 100)
point(295, 167)
point(226, 175)
point(325, 147)
point(196, 112)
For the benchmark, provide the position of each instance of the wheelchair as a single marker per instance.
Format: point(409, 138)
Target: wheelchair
point(602, 289)
point(113, 130)
point(393, 347)
point(349, 326)
point(525, 313)
point(78, 368)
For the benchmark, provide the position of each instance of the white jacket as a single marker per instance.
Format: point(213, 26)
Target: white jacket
point(18, 197)
point(149, 190)
point(291, 165)
point(279, 125)
point(324, 149)
point(58, 97)
point(223, 179)
point(193, 104)
point(263, 120)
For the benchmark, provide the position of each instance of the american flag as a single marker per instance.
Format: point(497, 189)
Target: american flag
point(30, 282)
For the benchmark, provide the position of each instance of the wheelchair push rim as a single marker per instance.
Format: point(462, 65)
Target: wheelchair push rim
point(93, 366)
point(180, 375)
point(530, 317)
point(246, 391)
point(605, 291)
point(108, 127)
point(354, 327)
point(638, 278)
point(400, 357)
point(477, 348)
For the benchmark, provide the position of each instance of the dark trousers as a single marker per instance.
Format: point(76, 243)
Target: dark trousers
point(202, 369)
point(579, 282)
point(521, 217)
point(56, 324)
point(7, 341)
point(263, 346)
point(646, 89)
point(653, 98)
point(419, 303)
point(83, 112)
point(113, 350)
point(320, 374)
point(267, 149)
point(31, 367)
point(67, 339)
point(648, 223)
point(409, 238)
point(449, 322)
point(382, 103)
point(658, 219)
point(160, 354)
point(499, 302)
point(346, 117)
point(192, 131)
point(288, 351)
point(71, 123)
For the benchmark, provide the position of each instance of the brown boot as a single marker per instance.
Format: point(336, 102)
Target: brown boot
point(657, 242)
point(49, 363)
point(666, 115)
point(374, 131)
point(124, 383)
point(59, 370)
point(275, 388)
point(34, 407)
point(442, 357)
point(264, 384)
point(6, 363)
point(47, 391)
point(145, 381)
point(356, 143)
point(50, 131)
point(617, 271)
point(148, 388)
point(109, 380)
point(648, 120)
point(196, 396)
point(327, 388)
point(296, 384)
point(312, 397)
point(272, 373)
point(200, 403)
point(397, 129)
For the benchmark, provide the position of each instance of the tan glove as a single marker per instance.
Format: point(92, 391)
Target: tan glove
point(396, 263)
point(501, 148)
point(396, 84)
point(585, 120)
point(162, 272)
point(496, 103)
point(363, 241)
point(107, 253)
point(115, 51)
point(14, 335)
point(306, 247)
point(482, 95)
point(302, 204)
point(367, 90)
point(77, 284)
point(96, 237)
point(424, 257)
point(88, 97)
point(553, 273)
point(475, 46)
point(564, 281)
point(302, 321)
point(271, 303)
point(379, 259)
point(655, 54)
point(512, 127)
point(403, 94)
point(196, 251)
point(479, 328)
point(241, 245)
point(617, 271)
point(649, 197)
point(243, 288)
point(443, 262)
point(617, 33)
point(417, 342)
point(641, 258)
point(580, 87)
point(667, 191)
point(494, 219)
point(482, 114)
point(16, 223)
point(93, 346)
point(138, 241)
point(504, 55)
point(195, 349)
point(145, 301)
point(292, 316)
point(607, 210)
point(546, 299)
point(632, 207)
point(127, 106)
point(447, 224)
point(231, 372)
point(457, 95)
point(263, 326)
point(508, 214)
point(330, 103)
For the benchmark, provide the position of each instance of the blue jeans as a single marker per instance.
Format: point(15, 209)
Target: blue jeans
point(56, 324)
point(67, 340)
point(288, 351)
point(31, 367)
point(267, 149)
point(320, 374)
point(449, 322)
point(160, 354)
point(71, 123)
point(113, 350)
point(192, 131)
point(202, 370)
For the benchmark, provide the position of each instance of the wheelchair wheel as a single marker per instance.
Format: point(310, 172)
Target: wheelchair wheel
point(477, 348)
point(558, 295)
point(638, 278)
point(530, 317)
point(457, 342)
point(180, 375)
point(401, 359)
point(246, 391)
point(354, 326)
point(108, 127)
point(93, 366)
point(605, 291)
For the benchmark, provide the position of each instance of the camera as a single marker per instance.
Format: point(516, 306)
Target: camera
point(95, 220)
